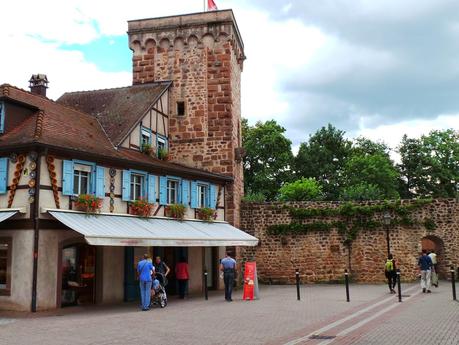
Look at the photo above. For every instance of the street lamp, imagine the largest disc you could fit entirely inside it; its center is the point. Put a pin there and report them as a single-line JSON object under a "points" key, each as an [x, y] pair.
{"points": [[386, 220]]}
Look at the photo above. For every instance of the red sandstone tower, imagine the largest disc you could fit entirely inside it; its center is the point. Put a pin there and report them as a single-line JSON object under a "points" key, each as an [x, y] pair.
{"points": [[203, 55]]}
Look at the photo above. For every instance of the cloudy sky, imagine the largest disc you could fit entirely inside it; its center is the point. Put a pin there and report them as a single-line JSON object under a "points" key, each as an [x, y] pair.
{"points": [[378, 68]]}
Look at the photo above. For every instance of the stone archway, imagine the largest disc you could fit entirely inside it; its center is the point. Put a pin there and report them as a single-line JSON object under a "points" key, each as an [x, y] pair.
{"points": [[431, 242]]}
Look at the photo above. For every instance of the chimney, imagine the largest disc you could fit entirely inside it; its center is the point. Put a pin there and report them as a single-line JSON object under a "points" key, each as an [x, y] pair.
{"points": [[38, 84]]}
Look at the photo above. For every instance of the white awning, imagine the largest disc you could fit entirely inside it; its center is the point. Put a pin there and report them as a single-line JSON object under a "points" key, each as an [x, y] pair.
{"points": [[4, 215], [117, 230]]}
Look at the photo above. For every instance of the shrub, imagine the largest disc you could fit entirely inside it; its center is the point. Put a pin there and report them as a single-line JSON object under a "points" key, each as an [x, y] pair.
{"points": [[301, 190], [361, 191], [254, 197]]}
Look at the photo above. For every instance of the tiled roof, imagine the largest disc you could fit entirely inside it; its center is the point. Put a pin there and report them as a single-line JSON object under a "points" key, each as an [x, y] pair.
{"points": [[118, 109], [56, 125]]}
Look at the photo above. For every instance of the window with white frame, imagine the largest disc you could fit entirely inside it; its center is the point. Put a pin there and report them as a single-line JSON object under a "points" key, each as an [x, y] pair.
{"points": [[162, 144], [137, 186], [172, 191], [145, 138], [82, 179], [203, 194]]}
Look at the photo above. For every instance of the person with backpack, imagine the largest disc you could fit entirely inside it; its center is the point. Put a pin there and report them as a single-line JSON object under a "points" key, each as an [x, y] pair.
{"points": [[390, 272]]}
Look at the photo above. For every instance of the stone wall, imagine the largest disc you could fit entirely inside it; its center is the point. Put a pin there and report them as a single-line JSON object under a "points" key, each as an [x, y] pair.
{"points": [[203, 55], [323, 256]]}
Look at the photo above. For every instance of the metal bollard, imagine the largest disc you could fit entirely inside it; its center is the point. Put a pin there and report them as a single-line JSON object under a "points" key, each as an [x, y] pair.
{"points": [[206, 290], [399, 285], [297, 277], [453, 283], [346, 280]]}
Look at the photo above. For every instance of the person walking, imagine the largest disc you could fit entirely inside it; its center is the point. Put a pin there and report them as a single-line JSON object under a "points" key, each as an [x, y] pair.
{"points": [[144, 270], [182, 275], [433, 257], [390, 273], [425, 265], [228, 267]]}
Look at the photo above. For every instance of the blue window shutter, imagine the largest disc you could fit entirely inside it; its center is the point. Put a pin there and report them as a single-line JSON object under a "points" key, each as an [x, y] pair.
{"points": [[67, 177], [3, 175], [151, 189], [163, 190], [194, 194], [185, 192], [213, 196], [100, 182], [126, 192]]}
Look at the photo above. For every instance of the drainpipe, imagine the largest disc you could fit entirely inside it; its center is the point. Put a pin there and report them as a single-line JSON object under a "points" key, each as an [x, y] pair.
{"points": [[35, 210]]}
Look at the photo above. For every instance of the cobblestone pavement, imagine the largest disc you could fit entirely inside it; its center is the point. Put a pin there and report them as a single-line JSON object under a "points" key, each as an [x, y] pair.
{"points": [[277, 318]]}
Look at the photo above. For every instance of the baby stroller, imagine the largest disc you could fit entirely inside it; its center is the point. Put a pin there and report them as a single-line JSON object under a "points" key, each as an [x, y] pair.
{"points": [[160, 297]]}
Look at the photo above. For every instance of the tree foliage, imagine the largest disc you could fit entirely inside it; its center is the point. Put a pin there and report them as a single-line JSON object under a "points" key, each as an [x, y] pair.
{"points": [[304, 189], [268, 158], [430, 164], [361, 191], [323, 157]]}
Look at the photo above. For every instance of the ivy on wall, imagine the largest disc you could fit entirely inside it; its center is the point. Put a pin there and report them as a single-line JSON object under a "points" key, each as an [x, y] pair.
{"points": [[353, 218]]}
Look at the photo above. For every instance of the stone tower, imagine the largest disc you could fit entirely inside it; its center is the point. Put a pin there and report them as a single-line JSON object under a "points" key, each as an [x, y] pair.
{"points": [[203, 55]]}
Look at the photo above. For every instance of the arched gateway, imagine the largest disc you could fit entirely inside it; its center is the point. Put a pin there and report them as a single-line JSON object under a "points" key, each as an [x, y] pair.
{"points": [[435, 243]]}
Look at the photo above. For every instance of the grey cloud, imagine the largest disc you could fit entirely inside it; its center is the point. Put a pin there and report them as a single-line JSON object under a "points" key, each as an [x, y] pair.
{"points": [[401, 62]]}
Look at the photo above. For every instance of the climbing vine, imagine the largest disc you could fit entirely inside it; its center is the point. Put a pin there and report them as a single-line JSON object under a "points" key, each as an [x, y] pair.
{"points": [[353, 218]]}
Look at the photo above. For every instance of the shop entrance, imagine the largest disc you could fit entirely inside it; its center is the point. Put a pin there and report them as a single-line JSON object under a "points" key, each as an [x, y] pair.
{"points": [[171, 256], [78, 275]]}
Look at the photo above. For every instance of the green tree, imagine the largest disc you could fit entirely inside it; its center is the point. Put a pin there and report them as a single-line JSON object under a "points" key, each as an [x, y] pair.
{"points": [[430, 164], [323, 158], [373, 169], [301, 190], [361, 191], [268, 158]]}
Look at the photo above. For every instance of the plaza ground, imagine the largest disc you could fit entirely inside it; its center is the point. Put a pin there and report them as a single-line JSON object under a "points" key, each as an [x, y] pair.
{"points": [[321, 317]]}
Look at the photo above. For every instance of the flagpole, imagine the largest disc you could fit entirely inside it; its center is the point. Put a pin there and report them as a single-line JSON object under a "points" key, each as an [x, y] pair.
{"points": [[204, 3]]}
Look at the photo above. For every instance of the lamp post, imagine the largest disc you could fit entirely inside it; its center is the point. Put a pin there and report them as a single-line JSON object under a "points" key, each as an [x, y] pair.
{"points": [[386, 219]]}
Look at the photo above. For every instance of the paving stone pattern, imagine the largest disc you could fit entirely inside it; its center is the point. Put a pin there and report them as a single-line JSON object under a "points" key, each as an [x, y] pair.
{"points": [[275, 319]]}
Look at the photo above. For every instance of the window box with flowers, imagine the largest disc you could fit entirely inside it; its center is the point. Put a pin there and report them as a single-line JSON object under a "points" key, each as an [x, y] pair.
{"points": [[88, 203], [206, 213], [176, 211], [141, 207]]}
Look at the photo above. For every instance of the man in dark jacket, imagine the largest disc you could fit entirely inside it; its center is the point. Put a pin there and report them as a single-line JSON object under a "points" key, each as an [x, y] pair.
{"points": [[425, 266]]}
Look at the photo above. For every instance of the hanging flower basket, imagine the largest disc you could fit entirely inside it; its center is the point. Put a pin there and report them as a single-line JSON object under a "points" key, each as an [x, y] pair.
{"points": [[207, 214], [141, 208], [176, 211], [88, 203]]}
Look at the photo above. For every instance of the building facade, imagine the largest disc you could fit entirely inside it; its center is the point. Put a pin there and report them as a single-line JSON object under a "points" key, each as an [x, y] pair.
{"points": [[92, 181]]}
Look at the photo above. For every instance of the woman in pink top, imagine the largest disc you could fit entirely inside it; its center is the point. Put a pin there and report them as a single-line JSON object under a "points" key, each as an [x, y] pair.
{"points": [[181, 273]]}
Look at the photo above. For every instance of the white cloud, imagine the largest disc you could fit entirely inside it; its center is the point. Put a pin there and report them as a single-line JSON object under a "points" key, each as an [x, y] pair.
{"points": [[392, 134], [66, 70]]}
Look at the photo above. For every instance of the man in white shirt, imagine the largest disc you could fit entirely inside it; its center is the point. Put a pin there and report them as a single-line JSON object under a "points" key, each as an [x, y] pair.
{"points": [[433, 257]]}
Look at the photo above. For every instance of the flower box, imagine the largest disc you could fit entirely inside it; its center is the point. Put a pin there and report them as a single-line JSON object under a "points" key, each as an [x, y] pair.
{"points": [[88, 203], [141, 208], [176, 211], [207, 214]]}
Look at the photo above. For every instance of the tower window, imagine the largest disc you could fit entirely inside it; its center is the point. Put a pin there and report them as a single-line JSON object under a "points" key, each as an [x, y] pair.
{"points": [[180, 108]]}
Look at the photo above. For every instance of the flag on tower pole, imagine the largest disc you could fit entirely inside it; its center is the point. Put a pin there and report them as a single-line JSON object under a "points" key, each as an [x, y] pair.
{"points": [[211, 6]]}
